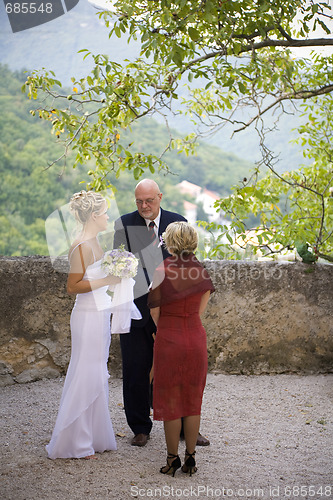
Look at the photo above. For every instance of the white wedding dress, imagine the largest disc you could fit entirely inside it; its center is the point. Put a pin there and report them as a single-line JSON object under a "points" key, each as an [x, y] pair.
{"points": [[83, 424]]}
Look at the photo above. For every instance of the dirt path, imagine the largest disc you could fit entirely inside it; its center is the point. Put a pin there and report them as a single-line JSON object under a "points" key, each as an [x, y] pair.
{"points": [[271, 437]]}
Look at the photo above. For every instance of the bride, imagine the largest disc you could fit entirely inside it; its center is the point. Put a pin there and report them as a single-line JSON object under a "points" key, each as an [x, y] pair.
{"points": [[83, 424]]}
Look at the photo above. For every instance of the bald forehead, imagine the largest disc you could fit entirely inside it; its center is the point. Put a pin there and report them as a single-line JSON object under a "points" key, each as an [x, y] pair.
{"points": [[146, 187]]}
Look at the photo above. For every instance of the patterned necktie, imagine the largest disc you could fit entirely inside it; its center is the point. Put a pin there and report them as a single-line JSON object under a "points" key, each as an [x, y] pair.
{"points": [[151, 230]]}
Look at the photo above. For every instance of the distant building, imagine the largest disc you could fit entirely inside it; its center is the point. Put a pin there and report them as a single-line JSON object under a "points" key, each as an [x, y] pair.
{"points": [[186, 187], [200, 195], [190, 212]]}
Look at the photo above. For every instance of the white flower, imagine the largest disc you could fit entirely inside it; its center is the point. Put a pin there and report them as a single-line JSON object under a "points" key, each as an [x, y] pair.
{"points": [[121, 263]]}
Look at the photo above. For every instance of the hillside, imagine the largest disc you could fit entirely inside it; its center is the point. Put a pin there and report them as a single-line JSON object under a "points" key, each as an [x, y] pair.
{"points": [[31, 192], [55, 46]]}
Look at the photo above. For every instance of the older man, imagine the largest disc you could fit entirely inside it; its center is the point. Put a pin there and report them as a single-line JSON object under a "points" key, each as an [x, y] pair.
{"points": [[139, 232]]}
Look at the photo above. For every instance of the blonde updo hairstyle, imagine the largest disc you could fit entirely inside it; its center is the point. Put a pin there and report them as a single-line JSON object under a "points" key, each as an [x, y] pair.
{"points": [[180, 238], [84, 203]]}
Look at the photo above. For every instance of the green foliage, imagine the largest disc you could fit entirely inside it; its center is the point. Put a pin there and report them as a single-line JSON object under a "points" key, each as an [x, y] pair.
{"points": [[112, 97], [234, 46], [232, 56], [229, 52], [295, 208], [235, 54], [31, 190], [19, 238]]}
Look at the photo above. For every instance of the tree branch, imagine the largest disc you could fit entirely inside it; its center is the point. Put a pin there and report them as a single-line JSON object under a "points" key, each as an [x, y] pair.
{"points": [[299, 94]]}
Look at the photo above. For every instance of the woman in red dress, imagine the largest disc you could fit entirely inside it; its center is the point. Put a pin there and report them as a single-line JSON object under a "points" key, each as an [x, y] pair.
{"points": [[179, 295]]}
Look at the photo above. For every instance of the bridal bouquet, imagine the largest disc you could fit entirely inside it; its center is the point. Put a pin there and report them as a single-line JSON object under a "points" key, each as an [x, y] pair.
{"points": [[121, 263]]}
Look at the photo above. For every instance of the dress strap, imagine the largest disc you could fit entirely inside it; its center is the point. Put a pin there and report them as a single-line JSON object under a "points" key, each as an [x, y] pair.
{"points": [[81, 243]]}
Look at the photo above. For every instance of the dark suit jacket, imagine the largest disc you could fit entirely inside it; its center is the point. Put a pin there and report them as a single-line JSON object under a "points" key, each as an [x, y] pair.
{"points": [[131, 231]]}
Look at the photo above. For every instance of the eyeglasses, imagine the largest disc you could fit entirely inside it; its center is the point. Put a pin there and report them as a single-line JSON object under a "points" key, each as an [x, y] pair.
{"points": [[148, 201]]}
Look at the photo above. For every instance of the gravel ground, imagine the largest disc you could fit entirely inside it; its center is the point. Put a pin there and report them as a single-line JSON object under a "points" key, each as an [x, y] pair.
{"points": [[271, 437]]}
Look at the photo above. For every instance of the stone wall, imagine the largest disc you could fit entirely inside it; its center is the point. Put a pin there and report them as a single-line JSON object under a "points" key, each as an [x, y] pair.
{"points": [[263, 318]]}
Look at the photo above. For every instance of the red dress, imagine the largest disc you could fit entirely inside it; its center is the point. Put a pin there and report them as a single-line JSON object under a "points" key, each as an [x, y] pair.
{"points": [[180, 350]]}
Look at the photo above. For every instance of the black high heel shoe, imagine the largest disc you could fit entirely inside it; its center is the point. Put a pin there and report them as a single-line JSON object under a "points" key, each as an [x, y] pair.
{"points": [[170, 469], [189, 464]]}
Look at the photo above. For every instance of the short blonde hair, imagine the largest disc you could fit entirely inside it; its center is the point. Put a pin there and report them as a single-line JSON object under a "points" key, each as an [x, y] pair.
{"points": [[180, 238], [84, 203]]}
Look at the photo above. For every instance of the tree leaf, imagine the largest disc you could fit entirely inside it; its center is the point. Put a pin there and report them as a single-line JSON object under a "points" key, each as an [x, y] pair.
{"points": [[193, 33]]}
